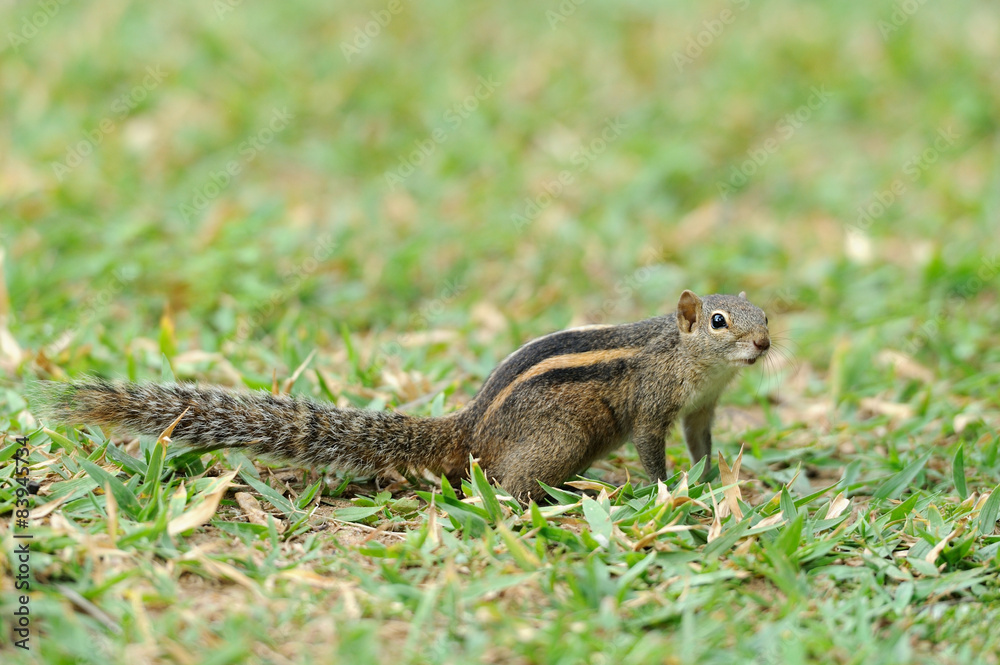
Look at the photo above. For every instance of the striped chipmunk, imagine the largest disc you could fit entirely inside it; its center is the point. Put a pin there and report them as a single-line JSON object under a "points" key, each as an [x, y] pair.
{"points": [[545, 413]]}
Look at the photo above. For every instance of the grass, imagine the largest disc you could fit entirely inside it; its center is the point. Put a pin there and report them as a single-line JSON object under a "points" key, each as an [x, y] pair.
{"points": [[233, 194]]}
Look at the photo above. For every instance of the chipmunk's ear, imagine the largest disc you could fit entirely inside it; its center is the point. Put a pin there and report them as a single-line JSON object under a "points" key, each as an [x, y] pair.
{"points": [[688, 310], [743, 294]]}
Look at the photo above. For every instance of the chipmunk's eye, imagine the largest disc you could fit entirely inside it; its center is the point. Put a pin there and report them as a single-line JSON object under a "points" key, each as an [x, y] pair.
{"points": [[719, 321], [765, 320]]}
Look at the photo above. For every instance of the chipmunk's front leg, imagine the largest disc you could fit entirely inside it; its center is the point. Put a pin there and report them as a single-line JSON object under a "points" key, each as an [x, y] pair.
{"points": [[698, 434], [650, 441]]}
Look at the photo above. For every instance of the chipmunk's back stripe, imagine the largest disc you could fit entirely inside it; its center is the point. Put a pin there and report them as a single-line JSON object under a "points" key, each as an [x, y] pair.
{"points": [[555, 363], [563, 343]]}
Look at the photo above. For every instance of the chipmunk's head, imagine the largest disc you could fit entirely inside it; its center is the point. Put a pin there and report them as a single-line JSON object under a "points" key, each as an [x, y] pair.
{"points": [[730, 327]]}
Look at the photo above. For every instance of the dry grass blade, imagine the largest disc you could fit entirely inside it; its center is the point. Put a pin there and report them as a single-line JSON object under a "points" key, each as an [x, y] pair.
{"points": [[164, 437], [290, 381], [731, 476], [203, 510], [715, 530], [682, 486], [935, 552], [86, 606], [587, 485], [111, 505], [45, 509], [777, 518], [225, 570], [433, 528], [673, 527]]}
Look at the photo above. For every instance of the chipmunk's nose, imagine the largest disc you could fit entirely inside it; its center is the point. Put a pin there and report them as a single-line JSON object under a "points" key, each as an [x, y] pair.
{"points": [[762, 344]]}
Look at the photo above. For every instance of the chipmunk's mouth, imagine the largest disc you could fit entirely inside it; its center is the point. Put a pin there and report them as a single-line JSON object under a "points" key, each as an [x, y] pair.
{"points": [[751, 361]]}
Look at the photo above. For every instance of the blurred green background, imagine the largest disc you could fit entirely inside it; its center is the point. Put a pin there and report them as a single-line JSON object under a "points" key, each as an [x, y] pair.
{"points": [[747, 139]]}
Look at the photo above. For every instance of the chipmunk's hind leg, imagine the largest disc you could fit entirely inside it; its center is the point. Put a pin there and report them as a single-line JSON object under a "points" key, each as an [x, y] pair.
{"points": [[536, 457]]}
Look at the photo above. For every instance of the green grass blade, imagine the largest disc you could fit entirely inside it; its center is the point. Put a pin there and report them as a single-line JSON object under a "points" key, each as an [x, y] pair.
{"points": [[958, 472], [989, 513], [485, 491], [127, 500], [898, 483]]}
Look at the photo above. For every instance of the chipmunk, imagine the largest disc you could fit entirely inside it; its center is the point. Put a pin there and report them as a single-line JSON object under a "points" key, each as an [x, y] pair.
{"points": [[545, 413]]}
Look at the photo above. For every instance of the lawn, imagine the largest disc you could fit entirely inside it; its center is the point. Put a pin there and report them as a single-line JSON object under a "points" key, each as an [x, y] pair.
{"points": [[374, 203]]}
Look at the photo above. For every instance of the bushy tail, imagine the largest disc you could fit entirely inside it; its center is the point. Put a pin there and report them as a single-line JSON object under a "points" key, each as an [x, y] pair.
{"points": [[279, 426]]}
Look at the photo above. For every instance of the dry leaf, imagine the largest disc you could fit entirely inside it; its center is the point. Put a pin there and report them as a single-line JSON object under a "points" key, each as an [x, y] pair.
{"points": [[254, 513], [884, 408], [905, 366], [10, 351], [662, 493], [837, 506], [963, 420], [969, 503], [744, 547], [311, 578]]}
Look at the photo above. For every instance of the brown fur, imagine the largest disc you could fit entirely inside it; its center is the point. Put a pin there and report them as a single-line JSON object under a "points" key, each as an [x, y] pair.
{"points": [[545, 413]]}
